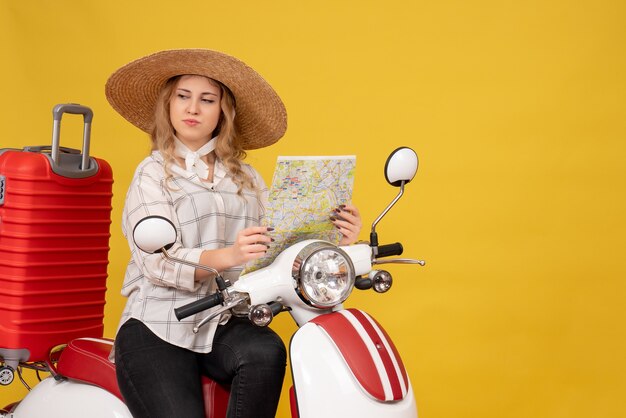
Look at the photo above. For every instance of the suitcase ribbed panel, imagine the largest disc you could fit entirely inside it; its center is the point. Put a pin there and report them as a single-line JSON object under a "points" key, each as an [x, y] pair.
{"points": [[54, 245]]}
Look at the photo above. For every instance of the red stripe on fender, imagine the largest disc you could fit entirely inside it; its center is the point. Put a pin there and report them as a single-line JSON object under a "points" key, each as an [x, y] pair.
{"points": [[354, 352], [382, 350], [395, 352]]}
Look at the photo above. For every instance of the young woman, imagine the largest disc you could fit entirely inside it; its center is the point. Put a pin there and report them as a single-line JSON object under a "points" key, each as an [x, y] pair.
{"points": [[203, 109]]}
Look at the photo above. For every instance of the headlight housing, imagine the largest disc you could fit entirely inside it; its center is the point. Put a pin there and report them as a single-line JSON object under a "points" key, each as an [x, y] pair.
{"points": [[324, 275]]}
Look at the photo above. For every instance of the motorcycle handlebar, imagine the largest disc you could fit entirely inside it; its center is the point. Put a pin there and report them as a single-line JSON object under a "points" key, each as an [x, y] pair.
{"points": [[276, 307], [208, 302], [389, 250]]}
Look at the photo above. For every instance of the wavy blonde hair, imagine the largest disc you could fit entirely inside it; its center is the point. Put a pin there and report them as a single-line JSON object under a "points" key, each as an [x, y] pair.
{"points": [[228, 147]]}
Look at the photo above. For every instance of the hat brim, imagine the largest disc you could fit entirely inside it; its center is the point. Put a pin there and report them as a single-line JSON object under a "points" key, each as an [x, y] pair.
{"points": [[261, 118]]}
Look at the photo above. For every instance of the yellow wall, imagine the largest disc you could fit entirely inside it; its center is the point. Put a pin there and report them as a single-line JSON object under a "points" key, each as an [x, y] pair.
{"points": [[517, 112]]}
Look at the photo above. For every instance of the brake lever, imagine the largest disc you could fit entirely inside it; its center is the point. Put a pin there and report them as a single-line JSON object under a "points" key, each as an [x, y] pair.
{"points": [[399, 261], [228, 304]]}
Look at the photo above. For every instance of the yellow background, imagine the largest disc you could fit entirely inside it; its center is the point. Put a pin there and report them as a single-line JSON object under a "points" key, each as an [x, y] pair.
{"points": [[517, 112]]}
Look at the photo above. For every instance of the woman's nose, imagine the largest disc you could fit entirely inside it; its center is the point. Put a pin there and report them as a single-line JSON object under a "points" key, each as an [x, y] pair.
{"points": [[192, 108]]}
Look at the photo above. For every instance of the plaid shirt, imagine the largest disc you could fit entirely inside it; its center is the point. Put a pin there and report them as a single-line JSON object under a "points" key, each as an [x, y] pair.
{"points": [[207, 216]]}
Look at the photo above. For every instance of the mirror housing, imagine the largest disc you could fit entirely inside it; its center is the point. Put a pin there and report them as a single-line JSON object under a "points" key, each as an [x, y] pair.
{"points": [[401, 166], [153, 234]]}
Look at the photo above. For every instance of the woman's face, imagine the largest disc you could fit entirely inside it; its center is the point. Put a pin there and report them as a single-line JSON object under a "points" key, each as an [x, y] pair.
{"points": [[195, 110]]}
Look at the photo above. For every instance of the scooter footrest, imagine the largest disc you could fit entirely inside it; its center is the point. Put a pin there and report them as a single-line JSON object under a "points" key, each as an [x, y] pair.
{"points": [[87, 360]]}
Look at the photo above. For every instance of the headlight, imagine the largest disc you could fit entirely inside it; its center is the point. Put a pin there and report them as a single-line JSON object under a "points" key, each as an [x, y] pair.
{"points": [[324, 275]]}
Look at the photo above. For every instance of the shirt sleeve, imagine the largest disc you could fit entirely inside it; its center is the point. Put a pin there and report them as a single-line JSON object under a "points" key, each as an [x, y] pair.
{"points": [[148, 196]]}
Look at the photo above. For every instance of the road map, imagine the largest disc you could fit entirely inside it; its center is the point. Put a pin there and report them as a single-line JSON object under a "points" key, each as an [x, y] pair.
{"points": [[302, 197]]}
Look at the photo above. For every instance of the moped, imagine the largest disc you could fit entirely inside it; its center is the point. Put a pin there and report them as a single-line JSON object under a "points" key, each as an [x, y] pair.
{"points": [[343, 363]]}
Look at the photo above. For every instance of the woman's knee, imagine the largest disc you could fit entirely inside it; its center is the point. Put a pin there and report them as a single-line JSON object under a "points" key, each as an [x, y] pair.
{"points": [[266, 348], [258, 345], [274, 347]]}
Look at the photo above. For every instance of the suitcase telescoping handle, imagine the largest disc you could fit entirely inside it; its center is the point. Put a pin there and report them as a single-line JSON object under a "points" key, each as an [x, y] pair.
{"points": [[57, 114]]}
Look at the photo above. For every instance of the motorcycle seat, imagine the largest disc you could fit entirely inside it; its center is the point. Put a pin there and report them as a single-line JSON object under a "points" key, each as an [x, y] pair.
{"points": [[87, 360]]}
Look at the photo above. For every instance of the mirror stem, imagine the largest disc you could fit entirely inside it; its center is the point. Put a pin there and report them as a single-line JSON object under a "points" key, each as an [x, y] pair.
{"points": [[189, 263], [388, 207], [373, 234]]}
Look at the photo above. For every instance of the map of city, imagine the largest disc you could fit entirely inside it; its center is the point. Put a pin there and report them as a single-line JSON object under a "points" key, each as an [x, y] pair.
{"points": [[302, 197]]}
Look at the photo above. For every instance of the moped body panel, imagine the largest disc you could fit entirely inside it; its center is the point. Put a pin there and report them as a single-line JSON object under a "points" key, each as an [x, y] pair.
{"points": [[347, 371], [70, 399]]}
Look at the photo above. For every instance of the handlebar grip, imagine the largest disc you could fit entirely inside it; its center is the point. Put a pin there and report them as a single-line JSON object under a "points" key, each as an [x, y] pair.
{"points": [[388, 250], [203, 304], [276, 307], [363, 283]]}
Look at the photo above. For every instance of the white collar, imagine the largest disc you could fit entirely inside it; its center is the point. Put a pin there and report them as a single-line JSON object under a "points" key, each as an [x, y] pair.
{"points": [[193, 159]]}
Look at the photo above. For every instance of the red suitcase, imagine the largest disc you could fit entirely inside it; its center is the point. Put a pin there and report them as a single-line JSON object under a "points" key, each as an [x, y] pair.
{"points": [[55, 216]]}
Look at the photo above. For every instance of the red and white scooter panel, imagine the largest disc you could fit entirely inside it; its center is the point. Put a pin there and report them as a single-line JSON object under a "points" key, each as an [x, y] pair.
{"points": [[368, 351], [351, 368]]}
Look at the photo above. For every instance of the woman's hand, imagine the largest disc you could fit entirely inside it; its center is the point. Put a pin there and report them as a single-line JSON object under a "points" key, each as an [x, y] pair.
{"points": [[251, 243], [348, 220]]}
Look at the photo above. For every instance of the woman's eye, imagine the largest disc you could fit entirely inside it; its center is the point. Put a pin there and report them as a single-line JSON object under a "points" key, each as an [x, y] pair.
{"points": [[208, 101], [182, 96]]}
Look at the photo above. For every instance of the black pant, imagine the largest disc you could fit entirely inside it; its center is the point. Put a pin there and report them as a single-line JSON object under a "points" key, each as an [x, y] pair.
{"points": [[158, 379]]}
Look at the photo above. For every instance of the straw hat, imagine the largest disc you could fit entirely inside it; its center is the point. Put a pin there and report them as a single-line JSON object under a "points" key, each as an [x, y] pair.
{"points": [[261, 118]]}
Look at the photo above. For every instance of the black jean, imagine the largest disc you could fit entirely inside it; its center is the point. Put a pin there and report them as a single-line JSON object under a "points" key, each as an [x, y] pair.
{"points": [[158, 379]]}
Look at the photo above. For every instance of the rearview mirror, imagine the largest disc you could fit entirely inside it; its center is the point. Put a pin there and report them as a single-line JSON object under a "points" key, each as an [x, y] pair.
{"points": [[401, 166], [154, 233]]}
